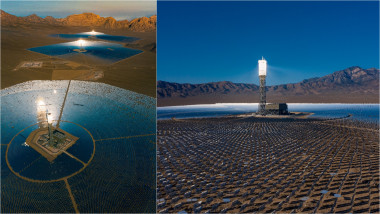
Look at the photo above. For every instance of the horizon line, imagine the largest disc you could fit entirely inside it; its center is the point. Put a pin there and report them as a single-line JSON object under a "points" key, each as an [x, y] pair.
{"points": [[76, 14]]}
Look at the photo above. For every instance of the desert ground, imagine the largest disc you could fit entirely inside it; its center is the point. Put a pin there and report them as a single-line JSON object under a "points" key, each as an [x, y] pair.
{"points": [[265, 165], [137, 73]]}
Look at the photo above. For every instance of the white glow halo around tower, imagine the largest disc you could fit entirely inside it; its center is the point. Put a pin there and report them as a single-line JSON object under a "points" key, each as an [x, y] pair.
{"points": [[81, 43], [93, 33]]}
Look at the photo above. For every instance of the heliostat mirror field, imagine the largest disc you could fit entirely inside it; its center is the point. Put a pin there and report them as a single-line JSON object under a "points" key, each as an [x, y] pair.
{"points": [[88, 52], [97, 35], [111, 167]]}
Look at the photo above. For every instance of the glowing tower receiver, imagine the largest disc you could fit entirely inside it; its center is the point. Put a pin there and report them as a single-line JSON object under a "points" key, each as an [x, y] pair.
{"points": [[262, 76], [262, 67], [81, 43]]}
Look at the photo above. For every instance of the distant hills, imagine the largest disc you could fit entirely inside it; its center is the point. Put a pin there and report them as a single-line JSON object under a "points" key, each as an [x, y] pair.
{"points": [[142, 24], [351, 85]]}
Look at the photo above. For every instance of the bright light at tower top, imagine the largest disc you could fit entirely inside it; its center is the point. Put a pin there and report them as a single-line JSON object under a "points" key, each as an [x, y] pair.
{"points": [[262, 67], [40, 102], [81, 42]]}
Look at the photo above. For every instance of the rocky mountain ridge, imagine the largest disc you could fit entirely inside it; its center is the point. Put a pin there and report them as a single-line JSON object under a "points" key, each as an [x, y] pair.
{"points": [[142, 24], [361, 84]]}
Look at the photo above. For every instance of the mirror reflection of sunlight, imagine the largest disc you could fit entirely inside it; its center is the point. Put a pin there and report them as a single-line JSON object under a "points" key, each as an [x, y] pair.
{"points": [[41, 112], [45, 113]]}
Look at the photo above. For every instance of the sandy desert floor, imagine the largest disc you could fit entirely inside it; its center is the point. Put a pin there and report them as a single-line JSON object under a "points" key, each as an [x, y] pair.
{"points": [[267, 165], [137, 73]]}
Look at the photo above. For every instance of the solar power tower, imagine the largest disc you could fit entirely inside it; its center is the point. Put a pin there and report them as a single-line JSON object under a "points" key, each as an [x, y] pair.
{"points": [[262, 75]]}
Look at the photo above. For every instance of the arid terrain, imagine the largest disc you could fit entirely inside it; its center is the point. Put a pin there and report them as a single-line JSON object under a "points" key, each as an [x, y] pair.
{"points": [[351, 85], [137, 73], [267, 165]]}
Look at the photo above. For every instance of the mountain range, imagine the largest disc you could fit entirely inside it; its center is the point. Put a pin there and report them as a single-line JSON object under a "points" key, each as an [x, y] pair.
{"points": [[351, 85], [141, 24]]}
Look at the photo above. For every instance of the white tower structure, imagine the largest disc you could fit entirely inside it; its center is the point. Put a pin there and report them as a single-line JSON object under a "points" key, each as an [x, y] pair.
{"points": [[262, 76]]}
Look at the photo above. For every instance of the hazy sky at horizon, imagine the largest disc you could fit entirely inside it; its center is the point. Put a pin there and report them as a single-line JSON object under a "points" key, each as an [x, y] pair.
{"points": [[200, 42], [120, 10]]}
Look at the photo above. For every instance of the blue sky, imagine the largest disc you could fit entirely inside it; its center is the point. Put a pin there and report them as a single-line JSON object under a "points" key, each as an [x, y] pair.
{"points": [[120, 10], [202, 42]]}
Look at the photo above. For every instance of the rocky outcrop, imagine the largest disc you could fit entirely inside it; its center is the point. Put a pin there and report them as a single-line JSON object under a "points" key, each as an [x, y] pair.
{"points": [[51, 20], [85, 19], [142, 24], [10, 20], [89, 19], [34, 19]]}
